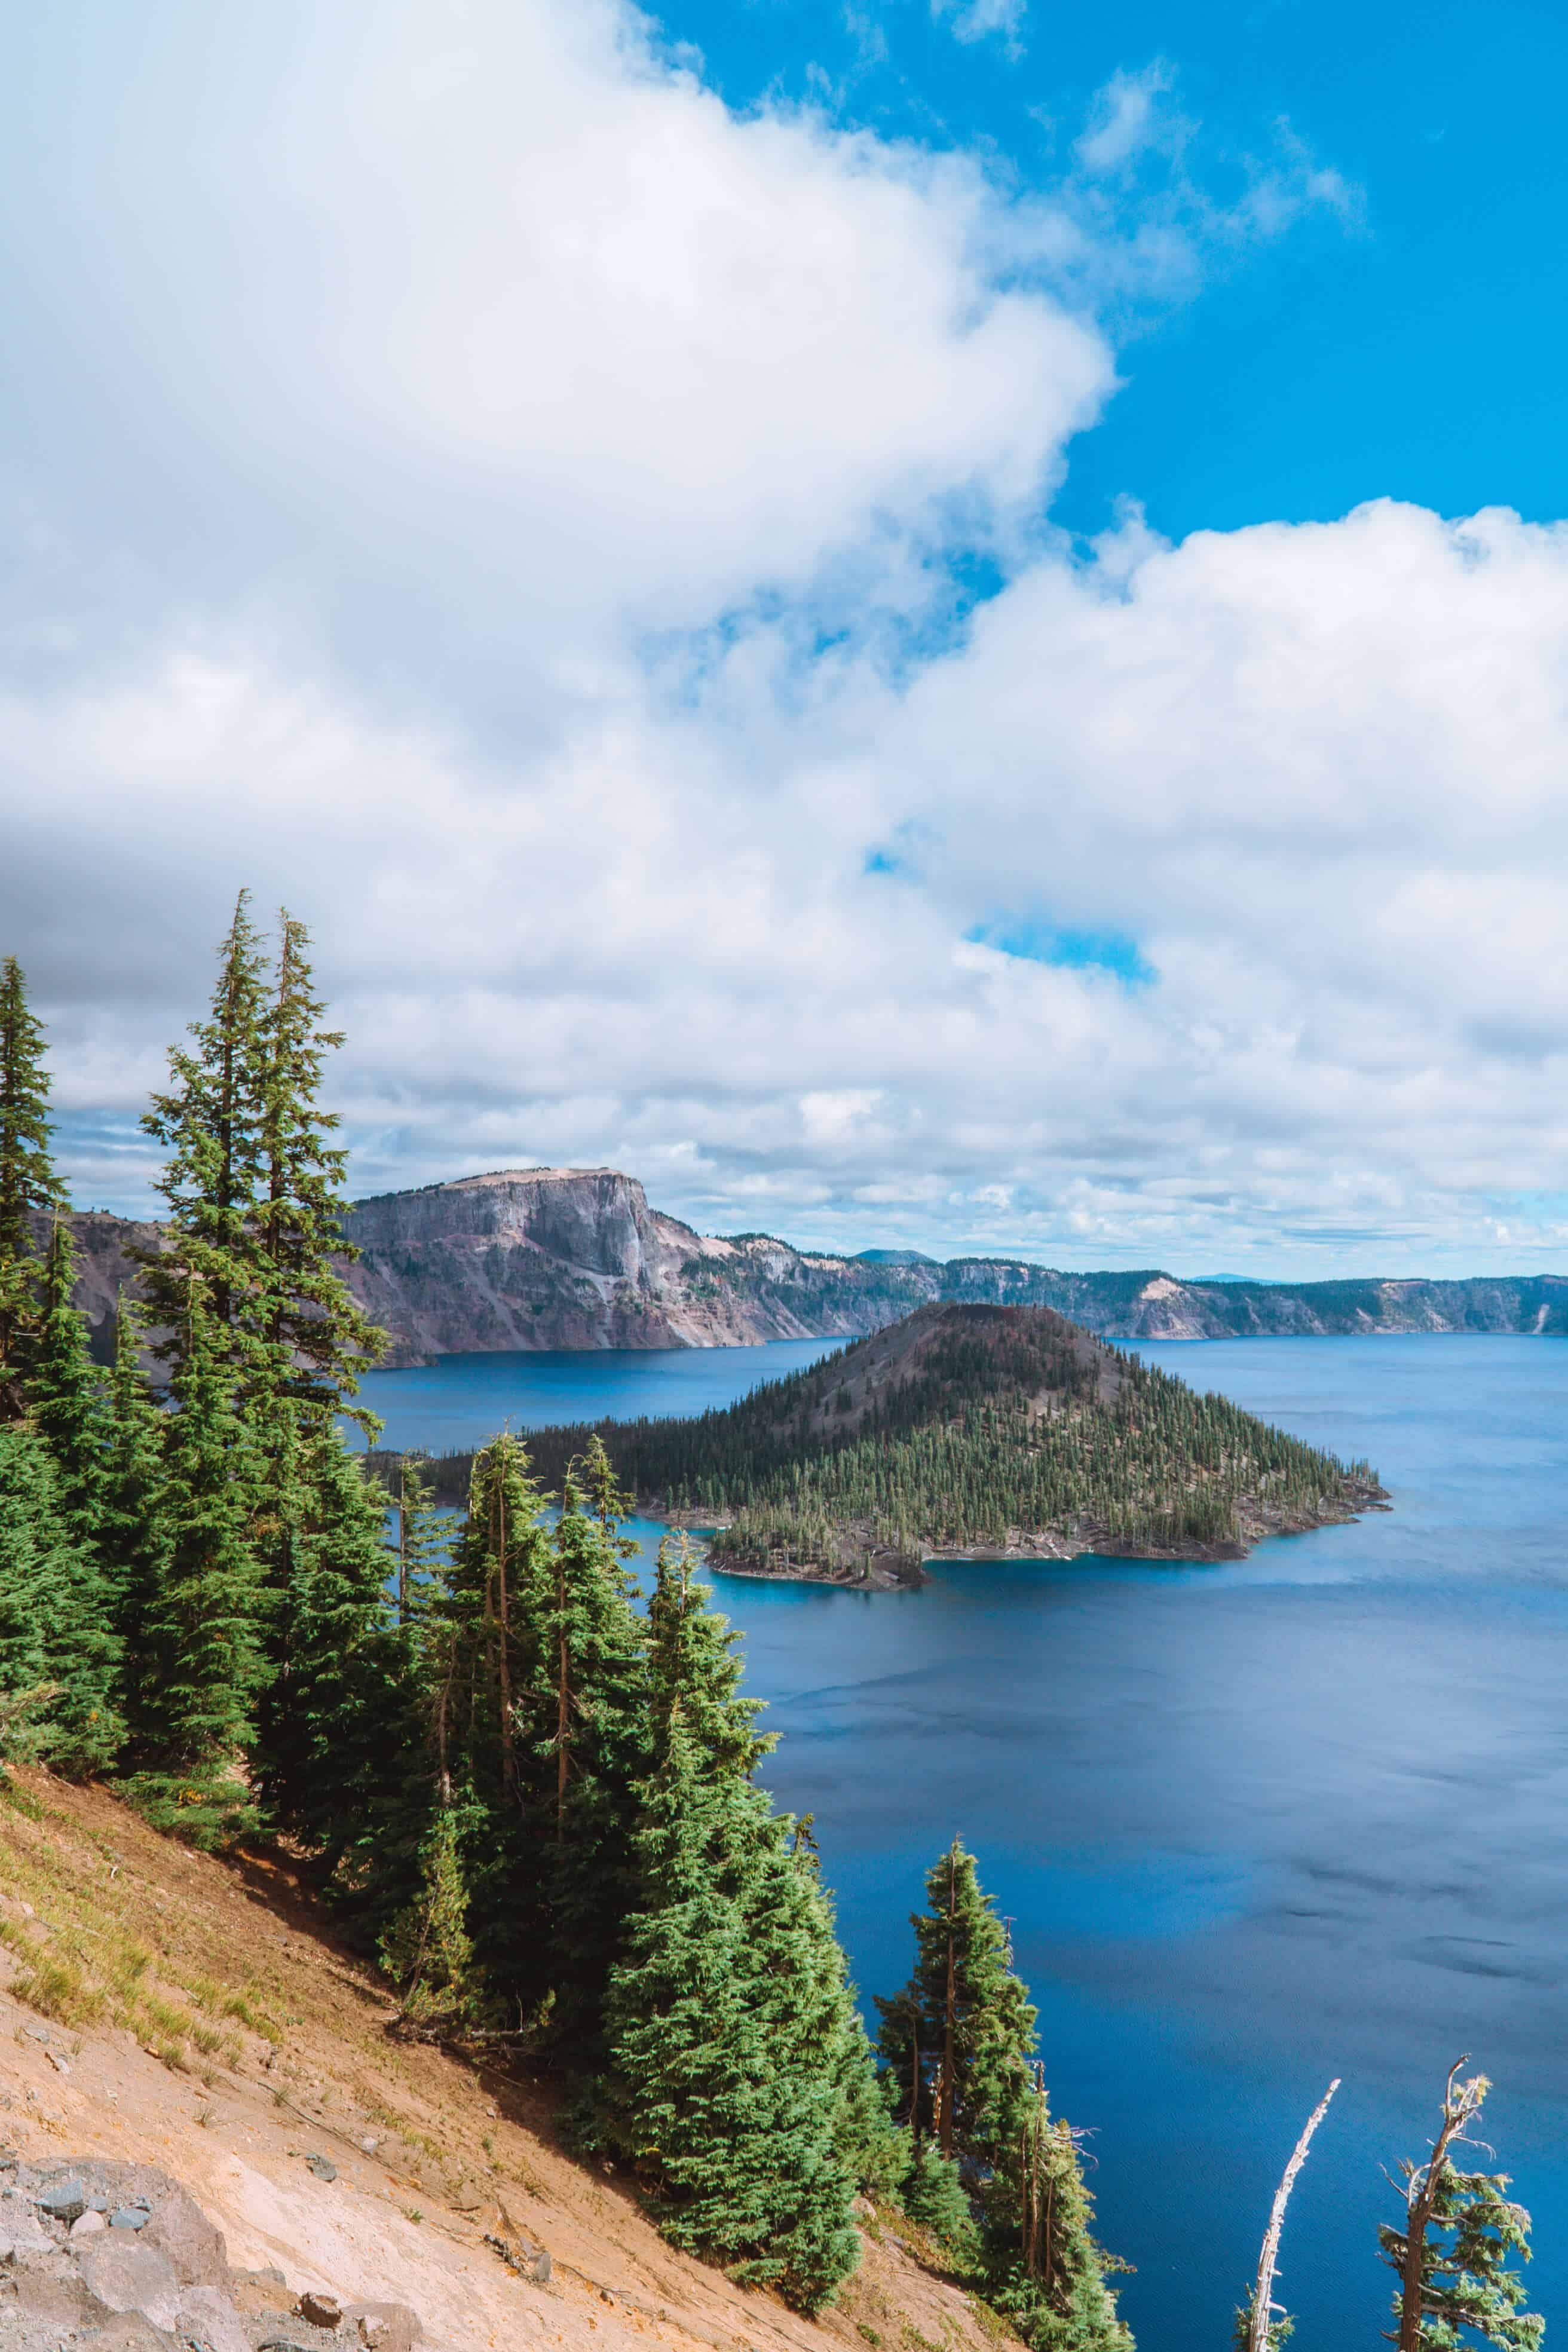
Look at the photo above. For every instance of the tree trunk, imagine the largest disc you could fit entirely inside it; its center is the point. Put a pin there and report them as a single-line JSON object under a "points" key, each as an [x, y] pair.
{"points": [[1263, 2293], [1417, 2220], [562, 1708], [507, 1737]]}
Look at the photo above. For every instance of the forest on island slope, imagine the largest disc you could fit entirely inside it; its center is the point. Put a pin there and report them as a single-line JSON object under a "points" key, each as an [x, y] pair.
{"points": [[964, 1428]]}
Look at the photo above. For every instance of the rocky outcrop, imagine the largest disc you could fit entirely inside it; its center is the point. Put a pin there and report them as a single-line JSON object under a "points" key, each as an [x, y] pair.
{"points": [[574, 1258], [119, 2258], [553, 1258]]}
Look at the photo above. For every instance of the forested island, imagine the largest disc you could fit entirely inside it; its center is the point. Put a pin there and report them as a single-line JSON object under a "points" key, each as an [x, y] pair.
{"points": [[991, 1431]]}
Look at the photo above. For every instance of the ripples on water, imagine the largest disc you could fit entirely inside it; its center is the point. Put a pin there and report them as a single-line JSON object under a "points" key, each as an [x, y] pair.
{"points": [[1256, 1824]]}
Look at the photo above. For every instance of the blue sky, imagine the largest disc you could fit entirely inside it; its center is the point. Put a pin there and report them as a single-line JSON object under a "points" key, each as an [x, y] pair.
{"points": [[926, 622], [1421, 359]]}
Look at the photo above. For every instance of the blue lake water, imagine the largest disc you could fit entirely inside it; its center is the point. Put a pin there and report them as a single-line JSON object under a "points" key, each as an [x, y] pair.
{"points": [[462, 1400], [1256, 1824]]}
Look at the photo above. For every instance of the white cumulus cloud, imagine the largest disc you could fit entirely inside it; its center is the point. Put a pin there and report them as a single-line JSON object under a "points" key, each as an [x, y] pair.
{"points": [[462, 479]]}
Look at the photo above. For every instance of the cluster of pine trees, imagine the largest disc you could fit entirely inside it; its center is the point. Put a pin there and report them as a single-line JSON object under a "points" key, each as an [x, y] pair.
{"points": [[533, 1797]]}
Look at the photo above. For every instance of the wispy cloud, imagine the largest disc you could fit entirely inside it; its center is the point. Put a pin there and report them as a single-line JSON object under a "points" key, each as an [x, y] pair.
{"points": [[981, 20]]}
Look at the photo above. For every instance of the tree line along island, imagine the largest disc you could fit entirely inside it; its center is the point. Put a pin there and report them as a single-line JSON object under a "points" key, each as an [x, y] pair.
{"points": [[984, 1431], [524, 1783]]}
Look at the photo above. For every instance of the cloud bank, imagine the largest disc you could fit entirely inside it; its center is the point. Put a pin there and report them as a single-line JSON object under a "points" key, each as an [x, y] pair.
{"points": [[463, 481]]}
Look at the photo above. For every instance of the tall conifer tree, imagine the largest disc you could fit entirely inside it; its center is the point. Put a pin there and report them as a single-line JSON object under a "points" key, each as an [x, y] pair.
{"points": [[55, 1637], [422, 1545], [341, 1715], [65, 1395], [134, 1539], [27, 1180], [586, 1705], [725, 2019], [204, 1662], [487, 1642], [319, 1337], [957, 2037], [209, 1120], [960, 2044], [1451, 2258]]}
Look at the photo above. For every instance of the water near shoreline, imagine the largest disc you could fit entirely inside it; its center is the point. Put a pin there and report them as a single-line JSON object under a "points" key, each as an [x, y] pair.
{"points": [[1255, 1824], [460, 1402]]}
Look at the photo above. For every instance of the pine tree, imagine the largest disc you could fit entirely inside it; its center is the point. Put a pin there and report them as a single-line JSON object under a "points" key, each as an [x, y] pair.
{"points": [[421, 1550], [959, 2042], [134, 1542], [203, 1662], [956, 2039], [64, 1391], [425, 1947], [586, 1702], [726, 2019], [55, 1643], [32, 1543], [1451, 2258], [341, 1716], [319, 1338], [486, 1646], [1041, 2265], [932, 2193], [691, 2068], [210, 1121], [28, 1179], [692, 1663]]}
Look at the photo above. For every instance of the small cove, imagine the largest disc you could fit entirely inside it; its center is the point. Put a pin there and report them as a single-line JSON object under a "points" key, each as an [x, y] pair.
{"points": [[1255, 1824]]}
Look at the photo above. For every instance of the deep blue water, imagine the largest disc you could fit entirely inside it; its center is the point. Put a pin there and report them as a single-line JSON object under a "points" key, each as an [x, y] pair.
{"points": [[462, 1400], [1256, 1824]]}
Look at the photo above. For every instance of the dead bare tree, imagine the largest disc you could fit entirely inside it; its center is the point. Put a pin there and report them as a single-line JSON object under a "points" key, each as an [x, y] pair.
{"points": [[1259, 2318]]}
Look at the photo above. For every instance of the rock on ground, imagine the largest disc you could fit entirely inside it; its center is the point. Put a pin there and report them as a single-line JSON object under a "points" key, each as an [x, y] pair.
{"points": [[154, 2274]]}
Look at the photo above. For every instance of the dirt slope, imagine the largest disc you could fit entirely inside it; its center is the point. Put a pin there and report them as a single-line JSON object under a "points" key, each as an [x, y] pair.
{"points": [[165, 2008]]}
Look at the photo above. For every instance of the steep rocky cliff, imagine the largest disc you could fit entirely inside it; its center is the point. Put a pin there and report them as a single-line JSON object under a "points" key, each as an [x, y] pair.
{"points": [[574, 1257]]}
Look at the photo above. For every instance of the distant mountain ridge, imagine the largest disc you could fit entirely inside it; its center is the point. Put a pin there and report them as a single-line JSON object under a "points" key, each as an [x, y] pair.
{"points": [[575, 1258]]}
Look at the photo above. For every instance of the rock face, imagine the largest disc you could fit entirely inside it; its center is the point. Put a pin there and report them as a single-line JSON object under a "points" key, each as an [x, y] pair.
{"points": [[164, 2286], [574, 1258]]}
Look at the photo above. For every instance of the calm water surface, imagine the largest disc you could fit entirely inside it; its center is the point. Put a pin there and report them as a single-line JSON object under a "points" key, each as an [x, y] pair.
{"points": [[1256, 1824]]}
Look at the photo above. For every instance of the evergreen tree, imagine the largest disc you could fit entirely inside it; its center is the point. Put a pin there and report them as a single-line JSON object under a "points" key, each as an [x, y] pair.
{"points": [[586, 1702], [210, 1119], [341, 1716], [57, 1650], [32, 1547], [317, 1335], [425, 1947], [204, 1664], [486, 1641], [692, 1663], [959, 2042], [958, 2038], [726, 2018], [134, 1540], [421, 1547], [64, 1390], [28, 1179], [932, 2193], [1041, 2265], [1451, 2258]]}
